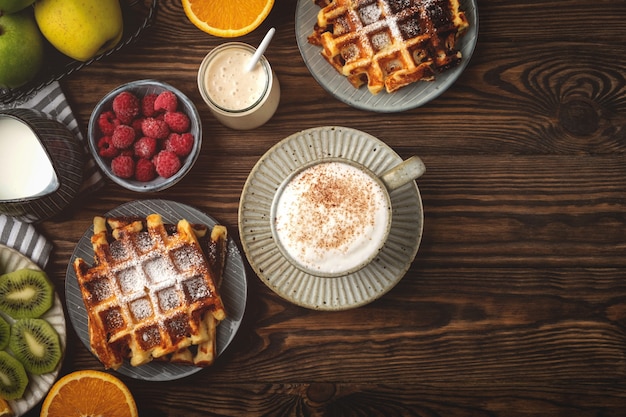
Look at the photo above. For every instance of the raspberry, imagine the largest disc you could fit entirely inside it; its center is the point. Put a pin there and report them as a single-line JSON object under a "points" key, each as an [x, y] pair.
{"points": [[123, 136], [106, 148], [126, 106], [166, 163], [178, 122], [145, 170], [107, 122], [147, 105], [136, 124], [145, 147], [166, 101], [181, 145], [123, 166], [155, 128]]}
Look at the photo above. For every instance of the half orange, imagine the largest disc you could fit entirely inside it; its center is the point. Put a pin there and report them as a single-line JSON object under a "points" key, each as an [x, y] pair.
{"points": [[227, 18], [5, 408], [89, 393]]}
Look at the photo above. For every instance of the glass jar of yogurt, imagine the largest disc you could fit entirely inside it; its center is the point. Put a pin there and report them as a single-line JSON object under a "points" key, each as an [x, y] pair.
{"points": [[238, 98]]}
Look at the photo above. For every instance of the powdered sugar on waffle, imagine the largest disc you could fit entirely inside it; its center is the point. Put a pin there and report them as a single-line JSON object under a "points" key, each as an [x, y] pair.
{"points": [[389, 43], [147, 292]]}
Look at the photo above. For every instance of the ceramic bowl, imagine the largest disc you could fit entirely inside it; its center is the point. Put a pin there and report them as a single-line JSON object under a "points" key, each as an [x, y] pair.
{"points": [[46, 168], [141, 88]]}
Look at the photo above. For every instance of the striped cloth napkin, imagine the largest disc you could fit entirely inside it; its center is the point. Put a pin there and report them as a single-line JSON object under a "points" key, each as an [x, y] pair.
{"points": [[22, 236]]}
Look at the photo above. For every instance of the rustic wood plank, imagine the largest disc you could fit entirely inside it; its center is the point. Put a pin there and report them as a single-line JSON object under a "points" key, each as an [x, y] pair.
{"points": [[516, 302]]}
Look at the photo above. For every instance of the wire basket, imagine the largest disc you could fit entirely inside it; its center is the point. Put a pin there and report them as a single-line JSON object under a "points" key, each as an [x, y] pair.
{"points": [[138, 16]]}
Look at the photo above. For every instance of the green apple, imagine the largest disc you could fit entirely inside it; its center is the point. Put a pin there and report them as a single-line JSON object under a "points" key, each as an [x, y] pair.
{"points": [[12, 6], [81, 29], [21, 49]]}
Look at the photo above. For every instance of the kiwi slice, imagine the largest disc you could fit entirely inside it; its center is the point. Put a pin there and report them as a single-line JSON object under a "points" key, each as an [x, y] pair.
{"points": [[35, 343], [25, 293], [5, 331], [13, 377]]}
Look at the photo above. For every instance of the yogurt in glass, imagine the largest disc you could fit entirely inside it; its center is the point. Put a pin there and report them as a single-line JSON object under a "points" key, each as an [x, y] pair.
{"points": [[238, 98]]}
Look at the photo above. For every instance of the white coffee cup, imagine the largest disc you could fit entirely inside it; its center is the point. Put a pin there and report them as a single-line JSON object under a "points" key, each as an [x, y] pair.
{"points": [[332, 217]]}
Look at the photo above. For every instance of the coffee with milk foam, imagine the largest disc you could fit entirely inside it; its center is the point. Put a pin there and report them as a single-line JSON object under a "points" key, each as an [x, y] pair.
{"points": [[332, 217]]}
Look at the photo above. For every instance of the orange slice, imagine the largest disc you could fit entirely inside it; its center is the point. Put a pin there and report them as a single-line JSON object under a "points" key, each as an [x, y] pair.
{"points": [[5, 408], [89, 393], [227, 18]]}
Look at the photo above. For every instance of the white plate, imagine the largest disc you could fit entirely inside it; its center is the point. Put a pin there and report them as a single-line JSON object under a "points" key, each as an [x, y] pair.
{"points": [[290, 282], [38, 385], [233, 290], [409, 97]]}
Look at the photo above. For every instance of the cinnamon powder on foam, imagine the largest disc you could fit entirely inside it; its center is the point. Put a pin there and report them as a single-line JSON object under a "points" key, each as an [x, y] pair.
{"points": [[334, 208]]}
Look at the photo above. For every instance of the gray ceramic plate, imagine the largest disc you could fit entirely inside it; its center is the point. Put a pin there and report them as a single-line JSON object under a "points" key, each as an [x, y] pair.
{"points": [[287, 280], [409, 97], [233, 290], [39, 385]]}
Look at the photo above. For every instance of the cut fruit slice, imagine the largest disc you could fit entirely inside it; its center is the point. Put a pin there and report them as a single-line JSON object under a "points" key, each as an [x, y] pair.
{"points": [[36, 344], [5, 332], [25, 293], [227, 19], [13, 377], [89, 393], [5, 409]]}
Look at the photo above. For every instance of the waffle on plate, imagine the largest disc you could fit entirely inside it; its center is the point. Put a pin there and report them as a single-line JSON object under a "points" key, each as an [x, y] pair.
{"points": [[153, 293], [388, 44]]}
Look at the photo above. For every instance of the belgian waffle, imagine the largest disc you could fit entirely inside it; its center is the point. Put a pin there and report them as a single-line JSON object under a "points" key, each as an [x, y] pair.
{"points": [[150, 293], [215, 248], [388, 44]]}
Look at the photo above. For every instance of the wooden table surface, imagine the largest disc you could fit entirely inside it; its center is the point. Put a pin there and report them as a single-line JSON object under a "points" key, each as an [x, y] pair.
{"points": [[515, 304]]}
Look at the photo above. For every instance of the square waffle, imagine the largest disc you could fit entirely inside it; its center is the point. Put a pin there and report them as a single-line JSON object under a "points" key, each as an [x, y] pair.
{"points": [[151, 292], [215, 248], [388, 44]]}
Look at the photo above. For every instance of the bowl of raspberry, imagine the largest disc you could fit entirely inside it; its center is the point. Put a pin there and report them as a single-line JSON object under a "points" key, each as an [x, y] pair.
{"points": [[145, 135]]}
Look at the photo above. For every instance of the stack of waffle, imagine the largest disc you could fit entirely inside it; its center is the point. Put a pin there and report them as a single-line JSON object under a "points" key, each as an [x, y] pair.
{"points": [[388, 44], [152, 293]]}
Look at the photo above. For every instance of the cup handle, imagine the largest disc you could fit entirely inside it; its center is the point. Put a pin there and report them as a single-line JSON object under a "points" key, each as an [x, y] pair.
{"points": [[403, 173]]}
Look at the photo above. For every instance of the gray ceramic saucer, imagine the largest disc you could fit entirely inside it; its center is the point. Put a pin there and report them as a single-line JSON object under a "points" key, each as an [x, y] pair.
{"points": [[288, 281]]}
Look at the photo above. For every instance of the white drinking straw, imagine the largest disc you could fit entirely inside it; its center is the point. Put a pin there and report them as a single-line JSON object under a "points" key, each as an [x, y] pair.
{"points": [[262, 47]]}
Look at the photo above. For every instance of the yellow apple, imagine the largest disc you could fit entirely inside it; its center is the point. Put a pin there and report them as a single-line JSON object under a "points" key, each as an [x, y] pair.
{"points": [[81, 29]]}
